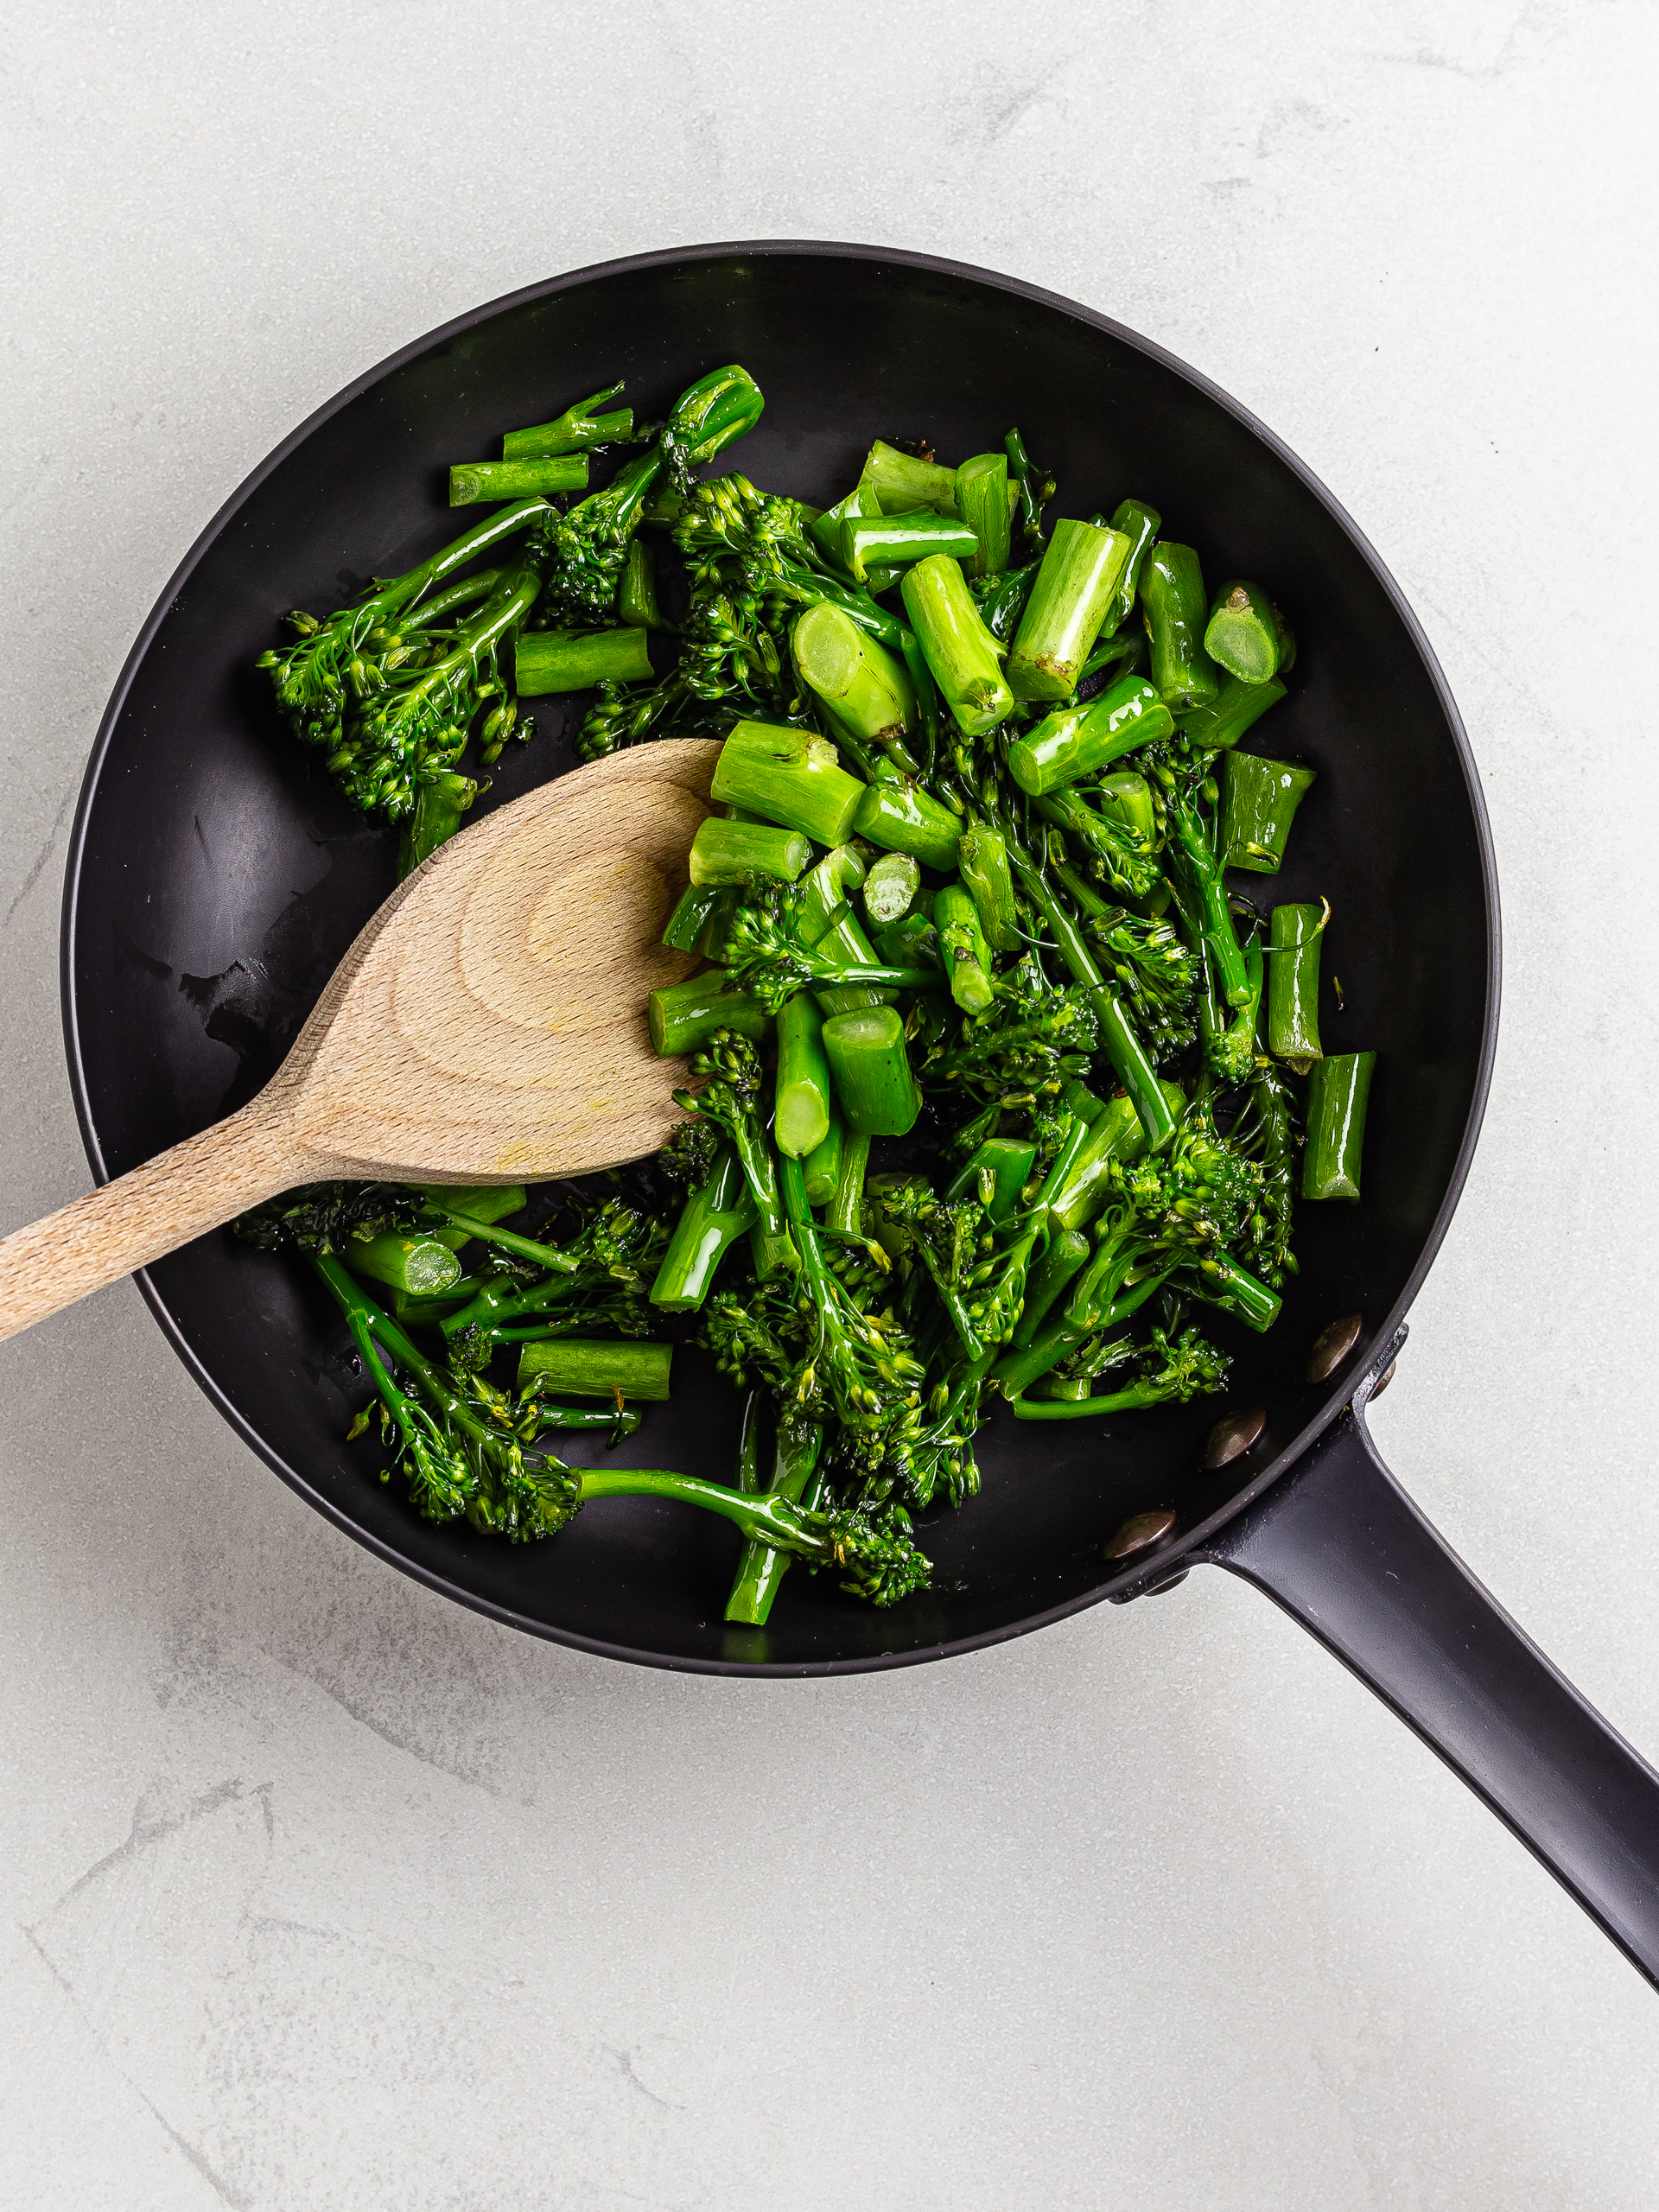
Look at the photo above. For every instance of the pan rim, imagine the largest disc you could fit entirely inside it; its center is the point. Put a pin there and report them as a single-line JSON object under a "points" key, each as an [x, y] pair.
{"points": [[1131, 1578]]}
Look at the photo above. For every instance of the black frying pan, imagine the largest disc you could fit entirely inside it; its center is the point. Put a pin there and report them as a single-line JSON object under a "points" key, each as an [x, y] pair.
{"points": [[214, 880]]}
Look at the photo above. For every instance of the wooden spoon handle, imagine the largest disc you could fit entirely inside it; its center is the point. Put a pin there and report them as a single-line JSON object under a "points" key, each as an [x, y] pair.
{"points": [[181, 1194]]}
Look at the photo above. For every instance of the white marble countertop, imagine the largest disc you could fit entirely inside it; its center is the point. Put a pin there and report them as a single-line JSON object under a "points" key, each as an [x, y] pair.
{"points": [[322, 1892]]}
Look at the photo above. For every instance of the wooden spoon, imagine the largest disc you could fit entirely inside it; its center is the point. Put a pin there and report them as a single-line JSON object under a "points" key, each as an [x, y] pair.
{"points": [[488, 1025]]}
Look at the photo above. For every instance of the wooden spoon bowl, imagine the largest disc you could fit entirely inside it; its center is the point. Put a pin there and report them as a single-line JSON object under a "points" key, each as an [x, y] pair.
{"points": [[487, 1026]]}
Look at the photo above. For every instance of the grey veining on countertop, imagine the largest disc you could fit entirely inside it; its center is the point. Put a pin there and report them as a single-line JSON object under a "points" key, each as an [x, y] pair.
{"points": [[320, 1892]]}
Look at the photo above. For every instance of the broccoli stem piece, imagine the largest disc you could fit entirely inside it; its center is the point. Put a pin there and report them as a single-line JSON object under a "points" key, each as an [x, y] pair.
{"points": [[846, 1214], [962, 948], [1174, 605], [871, 543], [417, 1264], [866, 1057], [1074, 583], [1199, 874], [1218, 1279], [439, 806], [890, 887], [1339, 1090], [1295, 934], [549, 661], [1246, 634], [522, 1248], [572, 1367], [1067, 1251], [1237, 708], [636, 592], [1115, 1135], [996, 1173], [684, 1016], [793, 777], [899, 816], [713, 1218], [983, 857], [471, 483], [761, 1569], [1140, 524], [1015, 1374], [730, 1074], [821, 1171], [1001, 601], [371, 1324], [1080, 740], [1122, 1047], [823, 890], [843, 949], [1259, 802], [800, 1116], [867, 691], [737, 852], [1034, 488], [580, 426], [959, 649], [692, 909], [983, 503], [902, 483]]}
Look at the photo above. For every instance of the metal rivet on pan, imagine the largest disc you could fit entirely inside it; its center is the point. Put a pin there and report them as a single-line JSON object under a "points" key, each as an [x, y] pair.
{"points": [[1170, 1582], [1333, 1345], [1384, 1380], [1232, 1434], [1140, 1532]]}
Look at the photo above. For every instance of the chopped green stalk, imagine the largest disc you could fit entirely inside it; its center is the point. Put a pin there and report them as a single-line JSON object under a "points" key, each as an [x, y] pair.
{"points": [[912, 942], [1001, 601], [867, 691], [983, 857], [729, 1072], [801, 1121], [636, 591], [793, 777], [1174, 604], [439, 807], [568, 1367], [870, 545], [737, 852], [877, 1091], [1079, 573], [548, 661], [1079, 740], [1339, 1089], [712, 414], [822, 1170], [1122, 1047], [489, 1202], [713, 1218], [996, 1175], [1219, 1280], [1200, 874], [1015, 1373], [577, 429], [983, 502], [1293, 984], [845, 943], [420, 1265], [1127, 795], [1116, 1135], [824, 889], [1247, 635], [689, 918], [1033, 486], [722, 914], [684, 1016], [966, 955], [846, 1215], [889, 888], [471, 483], [522, 1248], [763, 1565], [426, 1312], [1237, 709], [825, 529], [613, 1419], [959, 649], [1259, 802], [1140, 524], [897, 815], [902, 483], [1067, 1250]]}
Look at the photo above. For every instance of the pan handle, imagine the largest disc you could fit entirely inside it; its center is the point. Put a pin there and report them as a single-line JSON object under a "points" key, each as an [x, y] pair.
{"points": [[1338, 1544]]}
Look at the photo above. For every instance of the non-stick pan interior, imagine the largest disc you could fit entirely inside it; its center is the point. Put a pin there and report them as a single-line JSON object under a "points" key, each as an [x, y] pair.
{"points": [[215, 881]]}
